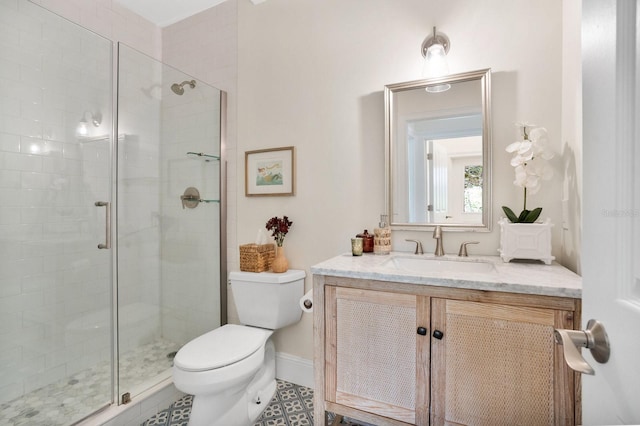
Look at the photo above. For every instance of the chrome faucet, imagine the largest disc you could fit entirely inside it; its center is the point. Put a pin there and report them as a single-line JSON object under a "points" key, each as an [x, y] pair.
{"points": [[437, 234], [418, 246], [463, 248]]}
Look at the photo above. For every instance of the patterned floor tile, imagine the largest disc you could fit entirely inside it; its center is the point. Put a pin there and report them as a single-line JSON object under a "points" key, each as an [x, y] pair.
{"points": [[291, 405]]}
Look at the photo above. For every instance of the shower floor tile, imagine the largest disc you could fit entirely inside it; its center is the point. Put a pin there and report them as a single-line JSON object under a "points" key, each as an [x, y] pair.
{"points": [[65, 401]]}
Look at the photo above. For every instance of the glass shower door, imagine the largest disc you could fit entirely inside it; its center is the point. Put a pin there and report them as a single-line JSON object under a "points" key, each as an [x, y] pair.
{"points": [[168, 254], [55, 284]]}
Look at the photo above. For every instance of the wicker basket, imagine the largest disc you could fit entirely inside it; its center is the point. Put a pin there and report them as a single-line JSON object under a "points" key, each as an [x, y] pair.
{"points": [[256, 258]]}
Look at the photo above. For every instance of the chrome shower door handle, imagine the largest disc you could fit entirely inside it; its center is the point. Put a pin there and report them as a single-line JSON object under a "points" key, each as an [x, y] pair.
{"points": [[593, 338], [107, 238]]}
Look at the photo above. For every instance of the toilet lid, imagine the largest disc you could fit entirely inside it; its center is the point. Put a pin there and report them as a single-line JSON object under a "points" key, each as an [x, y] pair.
{"points": [[222, 346]]}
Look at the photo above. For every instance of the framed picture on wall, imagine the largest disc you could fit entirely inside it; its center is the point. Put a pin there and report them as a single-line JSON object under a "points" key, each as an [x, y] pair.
{"points": [[269, 172]]}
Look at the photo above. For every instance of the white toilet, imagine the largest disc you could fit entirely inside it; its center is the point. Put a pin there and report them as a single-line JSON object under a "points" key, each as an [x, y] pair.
{"points": [[231, 370]]}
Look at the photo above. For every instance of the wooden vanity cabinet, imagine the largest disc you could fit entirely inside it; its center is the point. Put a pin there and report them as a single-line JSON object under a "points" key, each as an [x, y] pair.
{"points": [[498, 364], [398, 354], [373, 352]]}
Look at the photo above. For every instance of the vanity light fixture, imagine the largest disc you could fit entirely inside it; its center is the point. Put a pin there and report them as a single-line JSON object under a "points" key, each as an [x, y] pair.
{"points": [[83, 128], [434, 50]]}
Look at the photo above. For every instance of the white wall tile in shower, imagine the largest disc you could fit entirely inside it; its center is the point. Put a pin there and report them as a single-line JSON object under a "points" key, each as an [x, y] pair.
{"points": [[9, 215], [22, 162], [50, 274], [9, 142]]}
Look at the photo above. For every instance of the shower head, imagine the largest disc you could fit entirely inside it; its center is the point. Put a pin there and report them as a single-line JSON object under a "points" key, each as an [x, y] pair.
{"points": [[178, 89]]}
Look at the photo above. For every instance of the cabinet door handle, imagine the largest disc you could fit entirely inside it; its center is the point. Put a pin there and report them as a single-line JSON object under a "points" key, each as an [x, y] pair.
{"points": [[422, 331], [438, 334]]}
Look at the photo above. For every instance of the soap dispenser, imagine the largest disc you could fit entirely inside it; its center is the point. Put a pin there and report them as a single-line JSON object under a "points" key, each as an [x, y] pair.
{"points": [[382, 237]]}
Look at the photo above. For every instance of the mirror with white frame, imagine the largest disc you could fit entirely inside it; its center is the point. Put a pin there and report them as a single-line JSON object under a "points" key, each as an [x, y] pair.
{"points": [[438, 152]]}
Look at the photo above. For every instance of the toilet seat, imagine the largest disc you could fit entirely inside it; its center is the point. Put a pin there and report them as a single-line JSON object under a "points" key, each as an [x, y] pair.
{"points": [[223, 346]]}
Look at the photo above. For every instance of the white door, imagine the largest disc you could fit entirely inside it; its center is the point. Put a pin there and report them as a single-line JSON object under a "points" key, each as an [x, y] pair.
{"points": [[438, 178], [611, 207]]}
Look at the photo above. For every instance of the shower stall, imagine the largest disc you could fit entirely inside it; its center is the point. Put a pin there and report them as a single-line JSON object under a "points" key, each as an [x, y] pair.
{"points": [[111, 217]]}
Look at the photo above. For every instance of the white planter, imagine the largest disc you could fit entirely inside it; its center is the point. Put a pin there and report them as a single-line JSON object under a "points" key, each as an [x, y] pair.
{"points": [[525, 241]]}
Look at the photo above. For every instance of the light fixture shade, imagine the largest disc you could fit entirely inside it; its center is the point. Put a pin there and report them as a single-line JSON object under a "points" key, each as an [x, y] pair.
{"points": [[434, 49], [435, 62], [82, 129], [438, 88]]}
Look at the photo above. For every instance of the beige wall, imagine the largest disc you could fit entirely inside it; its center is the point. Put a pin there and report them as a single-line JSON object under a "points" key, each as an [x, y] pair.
{"points": [[571, 147], [311, 74]]}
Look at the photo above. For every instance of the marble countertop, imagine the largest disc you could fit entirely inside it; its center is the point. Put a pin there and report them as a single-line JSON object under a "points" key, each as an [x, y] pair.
{"points": [[514, 277]]}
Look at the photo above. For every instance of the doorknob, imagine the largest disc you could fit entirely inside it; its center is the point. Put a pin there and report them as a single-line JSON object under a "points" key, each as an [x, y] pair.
{"points": [[593, 338]]}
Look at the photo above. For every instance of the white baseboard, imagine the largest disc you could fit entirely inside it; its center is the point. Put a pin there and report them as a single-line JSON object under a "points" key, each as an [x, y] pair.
{"points": [[294, 369]]}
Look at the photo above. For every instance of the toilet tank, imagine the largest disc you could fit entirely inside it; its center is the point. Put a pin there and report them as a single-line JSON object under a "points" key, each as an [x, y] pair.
{"points": [[266, 299]]}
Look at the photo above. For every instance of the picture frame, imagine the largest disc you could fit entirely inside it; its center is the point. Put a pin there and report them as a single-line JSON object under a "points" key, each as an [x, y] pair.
{"points": [[269, 172]]}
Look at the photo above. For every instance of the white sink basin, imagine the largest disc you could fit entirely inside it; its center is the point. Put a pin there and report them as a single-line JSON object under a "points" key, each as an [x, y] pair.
{"points": [[430, 265]]}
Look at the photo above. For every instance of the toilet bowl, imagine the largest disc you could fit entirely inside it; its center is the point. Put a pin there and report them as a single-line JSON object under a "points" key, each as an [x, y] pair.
{"points": [[231, 370]]}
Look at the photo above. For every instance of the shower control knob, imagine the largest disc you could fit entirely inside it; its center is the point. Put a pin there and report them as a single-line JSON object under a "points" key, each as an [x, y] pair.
{"points": [[422, 331], [438, 334]]}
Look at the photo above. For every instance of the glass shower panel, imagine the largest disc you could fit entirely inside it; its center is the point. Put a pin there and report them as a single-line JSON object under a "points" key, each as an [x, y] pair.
{"points": [[168, 256], [55, 284]]}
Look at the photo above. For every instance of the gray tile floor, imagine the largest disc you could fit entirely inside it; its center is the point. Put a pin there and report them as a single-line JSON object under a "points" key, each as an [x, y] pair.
{"points": [[66, 401], [292, 405]]}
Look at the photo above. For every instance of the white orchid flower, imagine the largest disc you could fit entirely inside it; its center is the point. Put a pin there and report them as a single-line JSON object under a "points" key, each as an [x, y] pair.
{"points": [[540, 168], [519, 146], [523, 151], [539, 139], [522, 156], [523, 126], [538, 134], [519, 160], [529, 158], [526, 179], [513, 147]]}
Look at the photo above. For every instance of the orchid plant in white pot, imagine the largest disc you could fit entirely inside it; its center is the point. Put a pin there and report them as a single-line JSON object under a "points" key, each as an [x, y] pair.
{"points": [[530, 157]]}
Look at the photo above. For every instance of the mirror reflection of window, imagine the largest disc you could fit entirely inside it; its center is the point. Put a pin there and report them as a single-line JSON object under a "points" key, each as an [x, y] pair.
{"points": [[472, 189]]}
